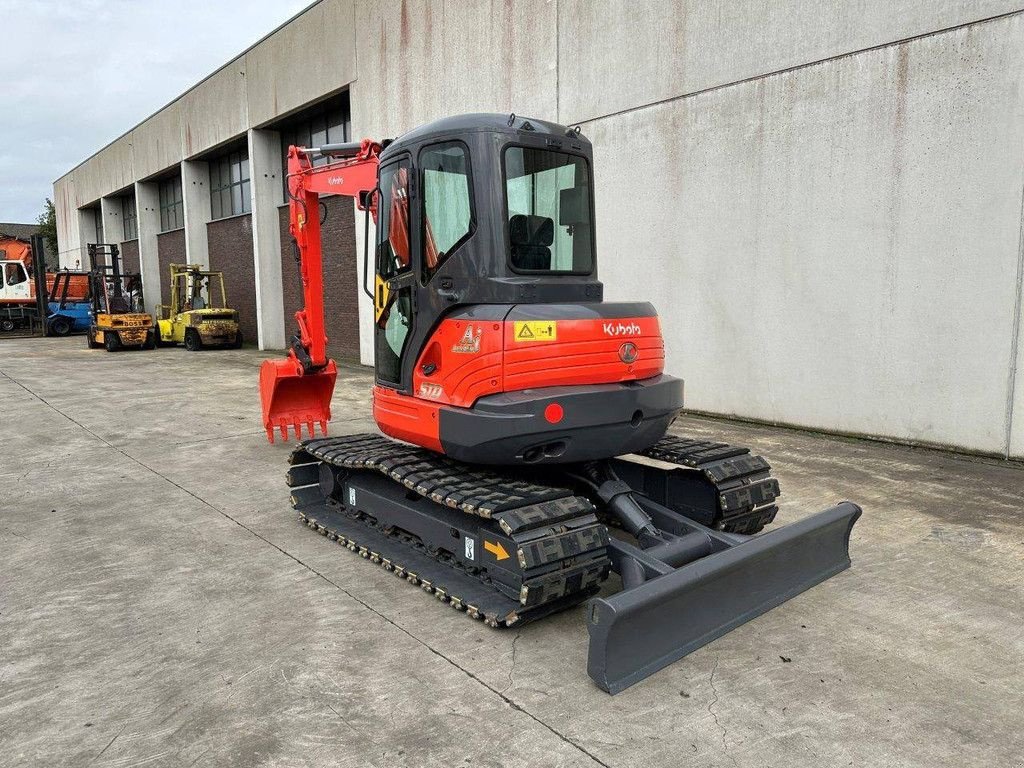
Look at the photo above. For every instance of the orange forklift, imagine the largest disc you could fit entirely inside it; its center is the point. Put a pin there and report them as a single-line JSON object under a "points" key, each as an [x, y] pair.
{"points": [[118, 320]]}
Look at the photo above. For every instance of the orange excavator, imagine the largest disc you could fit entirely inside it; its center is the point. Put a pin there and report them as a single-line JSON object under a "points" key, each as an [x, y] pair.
{"points": [[531, 454]]}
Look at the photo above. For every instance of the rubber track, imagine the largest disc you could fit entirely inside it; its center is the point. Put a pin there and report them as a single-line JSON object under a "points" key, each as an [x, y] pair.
{"points": [[746, 492], [561, 544]]}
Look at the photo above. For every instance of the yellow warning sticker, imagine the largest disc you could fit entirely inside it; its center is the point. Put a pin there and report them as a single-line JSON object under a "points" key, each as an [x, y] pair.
{"points": [[535, 330]]}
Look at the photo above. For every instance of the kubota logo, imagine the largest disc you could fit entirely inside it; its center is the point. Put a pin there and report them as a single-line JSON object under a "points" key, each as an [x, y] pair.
{"points": [[333, 181], [621, 329]]}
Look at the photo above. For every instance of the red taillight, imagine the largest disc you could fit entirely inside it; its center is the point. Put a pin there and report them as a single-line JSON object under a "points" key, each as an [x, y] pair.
{"points": [[553, 413]]}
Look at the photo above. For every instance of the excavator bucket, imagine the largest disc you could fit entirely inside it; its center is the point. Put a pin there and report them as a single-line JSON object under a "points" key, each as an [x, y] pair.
{"points": [[292, 398], [669, 612]]}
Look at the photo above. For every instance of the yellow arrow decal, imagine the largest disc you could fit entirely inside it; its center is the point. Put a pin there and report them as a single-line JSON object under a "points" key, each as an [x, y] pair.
{"points": [[496, 549]]}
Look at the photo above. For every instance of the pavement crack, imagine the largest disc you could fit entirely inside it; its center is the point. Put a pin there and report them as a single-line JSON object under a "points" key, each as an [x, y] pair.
{"points": [[109, 744], [341, 717], [512, 666], [711, 711]]}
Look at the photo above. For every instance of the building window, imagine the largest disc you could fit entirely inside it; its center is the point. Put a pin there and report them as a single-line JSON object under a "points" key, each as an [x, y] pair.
{"points": [[172, 209], [229, 185], [97, 218], [328, 126], [129, 218]]}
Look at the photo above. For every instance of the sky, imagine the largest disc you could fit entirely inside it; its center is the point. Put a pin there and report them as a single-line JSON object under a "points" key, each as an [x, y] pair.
{"points": [[76, 74]]}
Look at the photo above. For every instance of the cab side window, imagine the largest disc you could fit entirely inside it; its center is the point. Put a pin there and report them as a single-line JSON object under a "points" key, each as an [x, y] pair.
{"points": [[447, 204], [14, 274]]}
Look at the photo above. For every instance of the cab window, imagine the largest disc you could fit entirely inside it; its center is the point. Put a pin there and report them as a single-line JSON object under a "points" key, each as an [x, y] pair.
{"points": [[393, 252], [547, 196], [393, 313], [14, 274], [447, 206]]}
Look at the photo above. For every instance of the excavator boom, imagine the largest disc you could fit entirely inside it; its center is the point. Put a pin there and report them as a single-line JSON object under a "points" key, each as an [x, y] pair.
{"points": [[298, 389]]}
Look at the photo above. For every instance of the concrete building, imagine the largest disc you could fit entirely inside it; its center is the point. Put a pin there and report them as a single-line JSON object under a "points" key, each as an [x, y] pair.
{"points": [[824, 200]]}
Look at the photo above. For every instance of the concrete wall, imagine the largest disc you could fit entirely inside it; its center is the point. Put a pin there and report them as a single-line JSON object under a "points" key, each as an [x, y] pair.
{"points": [[1016, 380], [195, 195], [313, 55], [693, 45], [837, 241], [267, 190], [147, 206], [824, 199]]}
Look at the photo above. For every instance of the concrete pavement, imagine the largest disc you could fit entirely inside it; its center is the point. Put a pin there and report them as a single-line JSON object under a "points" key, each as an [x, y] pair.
{"points": [[160, 605]]}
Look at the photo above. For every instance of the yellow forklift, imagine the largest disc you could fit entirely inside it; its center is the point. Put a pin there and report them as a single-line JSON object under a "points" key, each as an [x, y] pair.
{"points": [[118, 318], [195, 317]]}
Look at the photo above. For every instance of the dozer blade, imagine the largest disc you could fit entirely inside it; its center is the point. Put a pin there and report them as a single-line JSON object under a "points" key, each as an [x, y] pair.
{"points": [[644, 628], [292, 398]]}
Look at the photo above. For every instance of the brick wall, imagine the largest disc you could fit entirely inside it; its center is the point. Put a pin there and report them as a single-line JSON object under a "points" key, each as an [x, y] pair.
{"points": [[170, 249], [129, 255], [341, 312], [231, 252]]}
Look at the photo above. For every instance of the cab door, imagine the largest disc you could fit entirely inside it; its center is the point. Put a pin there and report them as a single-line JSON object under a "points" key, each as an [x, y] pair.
{"points": [[393, 299], [17, 286]]}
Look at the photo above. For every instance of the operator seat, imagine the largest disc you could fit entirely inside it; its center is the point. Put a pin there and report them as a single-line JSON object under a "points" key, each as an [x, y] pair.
{"points": [[119, 305], [531, 237]]}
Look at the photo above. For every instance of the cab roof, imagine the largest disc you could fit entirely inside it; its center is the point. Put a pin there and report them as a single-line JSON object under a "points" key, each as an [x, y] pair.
{"points": [[490, 122]]}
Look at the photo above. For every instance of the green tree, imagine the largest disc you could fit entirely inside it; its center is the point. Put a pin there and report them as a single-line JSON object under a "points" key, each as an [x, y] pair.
{"points": [[48, 227]]}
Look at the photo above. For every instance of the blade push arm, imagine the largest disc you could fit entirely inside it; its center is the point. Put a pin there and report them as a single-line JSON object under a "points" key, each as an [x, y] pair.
{"points": [[352, 172]]}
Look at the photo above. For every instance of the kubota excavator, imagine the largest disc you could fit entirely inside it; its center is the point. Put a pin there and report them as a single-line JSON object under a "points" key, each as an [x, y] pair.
{"points": [[532, 415]]}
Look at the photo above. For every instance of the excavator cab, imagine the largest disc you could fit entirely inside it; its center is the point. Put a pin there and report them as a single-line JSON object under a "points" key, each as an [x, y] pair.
{"points": [[489, 312]]}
